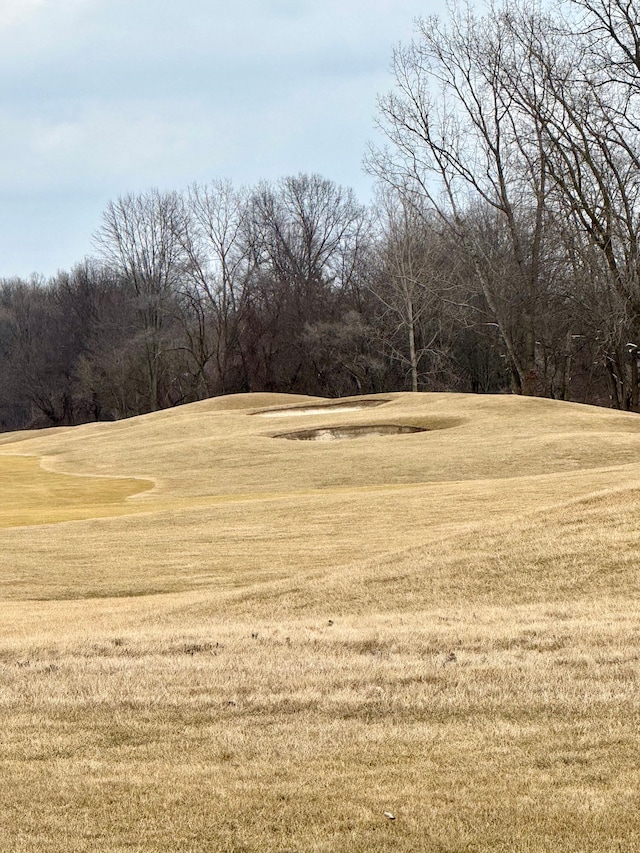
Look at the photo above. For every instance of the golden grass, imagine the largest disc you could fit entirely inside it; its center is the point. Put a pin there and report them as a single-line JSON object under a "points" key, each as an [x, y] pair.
{"points": [[29, 496], [278, 642]]}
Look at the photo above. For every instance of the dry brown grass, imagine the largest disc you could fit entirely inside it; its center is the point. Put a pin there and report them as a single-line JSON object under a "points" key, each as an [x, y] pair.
{"points": [[233, 642]]}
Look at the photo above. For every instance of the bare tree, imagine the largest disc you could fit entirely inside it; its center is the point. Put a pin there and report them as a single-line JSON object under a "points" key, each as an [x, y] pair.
{"points": [[212, 233], [305, 235], [580, 85], [138, 239], [460, 140], [411, 284]]}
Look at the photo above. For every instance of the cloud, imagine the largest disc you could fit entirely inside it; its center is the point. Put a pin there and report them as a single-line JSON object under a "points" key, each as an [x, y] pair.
{"points": [[102, 97], [14, 12], [20, 18]]}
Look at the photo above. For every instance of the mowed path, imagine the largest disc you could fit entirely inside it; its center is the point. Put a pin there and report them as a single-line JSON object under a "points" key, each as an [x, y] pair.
{"points": [[30, 496]]}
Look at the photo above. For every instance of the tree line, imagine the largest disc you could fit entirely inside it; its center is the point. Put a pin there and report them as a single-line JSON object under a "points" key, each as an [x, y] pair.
{"points": [[500, 252]]}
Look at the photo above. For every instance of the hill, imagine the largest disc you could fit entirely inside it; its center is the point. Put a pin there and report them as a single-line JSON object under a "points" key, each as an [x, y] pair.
{"points": [[260, 622]]}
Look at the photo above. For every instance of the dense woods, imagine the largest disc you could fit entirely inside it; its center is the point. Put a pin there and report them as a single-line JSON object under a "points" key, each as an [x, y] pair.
{"points": [[501, 251]]}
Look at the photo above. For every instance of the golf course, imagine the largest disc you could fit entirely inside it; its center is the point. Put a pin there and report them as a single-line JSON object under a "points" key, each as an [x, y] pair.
{"points": [[267, 623]]}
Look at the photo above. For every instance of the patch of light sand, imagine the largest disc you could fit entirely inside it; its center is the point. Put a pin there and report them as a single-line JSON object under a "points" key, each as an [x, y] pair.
{"points": [[318, 410], [337, 433]]}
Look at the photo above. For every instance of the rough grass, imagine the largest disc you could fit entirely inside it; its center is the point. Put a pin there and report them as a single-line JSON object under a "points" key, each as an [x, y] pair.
{"points": [[279, 642]]}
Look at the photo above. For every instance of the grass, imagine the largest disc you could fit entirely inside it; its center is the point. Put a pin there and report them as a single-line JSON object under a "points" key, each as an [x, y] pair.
{"points": [[30, 497], [218, 640]]}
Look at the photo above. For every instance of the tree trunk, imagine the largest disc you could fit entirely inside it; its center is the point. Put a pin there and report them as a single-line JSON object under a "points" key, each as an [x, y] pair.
{"points": [[635, 355], [413, 361]]}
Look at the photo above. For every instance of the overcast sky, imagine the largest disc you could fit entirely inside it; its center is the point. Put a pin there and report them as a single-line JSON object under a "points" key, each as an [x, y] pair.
{"points": [[103, 97]]}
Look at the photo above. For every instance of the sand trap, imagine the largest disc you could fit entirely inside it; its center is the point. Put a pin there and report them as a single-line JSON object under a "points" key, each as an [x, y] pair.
{"points": [[329, 408], [346, 432]]}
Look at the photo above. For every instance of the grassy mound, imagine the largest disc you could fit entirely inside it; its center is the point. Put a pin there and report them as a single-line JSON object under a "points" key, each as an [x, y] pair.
{"points": [[218, 640]]}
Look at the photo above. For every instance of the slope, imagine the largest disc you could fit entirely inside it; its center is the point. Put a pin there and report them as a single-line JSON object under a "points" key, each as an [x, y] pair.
{"points": [[222, 639]]}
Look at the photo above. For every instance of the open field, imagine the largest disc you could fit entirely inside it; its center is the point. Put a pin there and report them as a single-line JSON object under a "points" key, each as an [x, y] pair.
{"points": [[217, 639]]}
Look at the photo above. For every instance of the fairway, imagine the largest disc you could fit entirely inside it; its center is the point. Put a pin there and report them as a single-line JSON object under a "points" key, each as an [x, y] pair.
{"points": [[29, 495], [217, 638]]}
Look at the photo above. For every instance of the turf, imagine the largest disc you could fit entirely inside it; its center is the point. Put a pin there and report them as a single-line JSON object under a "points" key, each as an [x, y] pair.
{"points": [[215, 638]]}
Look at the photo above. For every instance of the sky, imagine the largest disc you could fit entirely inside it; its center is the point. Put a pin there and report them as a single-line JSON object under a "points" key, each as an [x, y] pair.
{"points": [[99, 98]]}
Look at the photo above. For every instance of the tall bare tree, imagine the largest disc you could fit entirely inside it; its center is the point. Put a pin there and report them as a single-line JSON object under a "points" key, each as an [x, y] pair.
{"points": [[138, 239], [411, 283], [458, 139], [305, 235], [581, 86], [213, 235]]}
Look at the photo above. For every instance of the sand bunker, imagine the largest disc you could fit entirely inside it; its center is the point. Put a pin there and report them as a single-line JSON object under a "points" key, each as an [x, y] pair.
{"points": [[345, 432], [327, 408]]}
